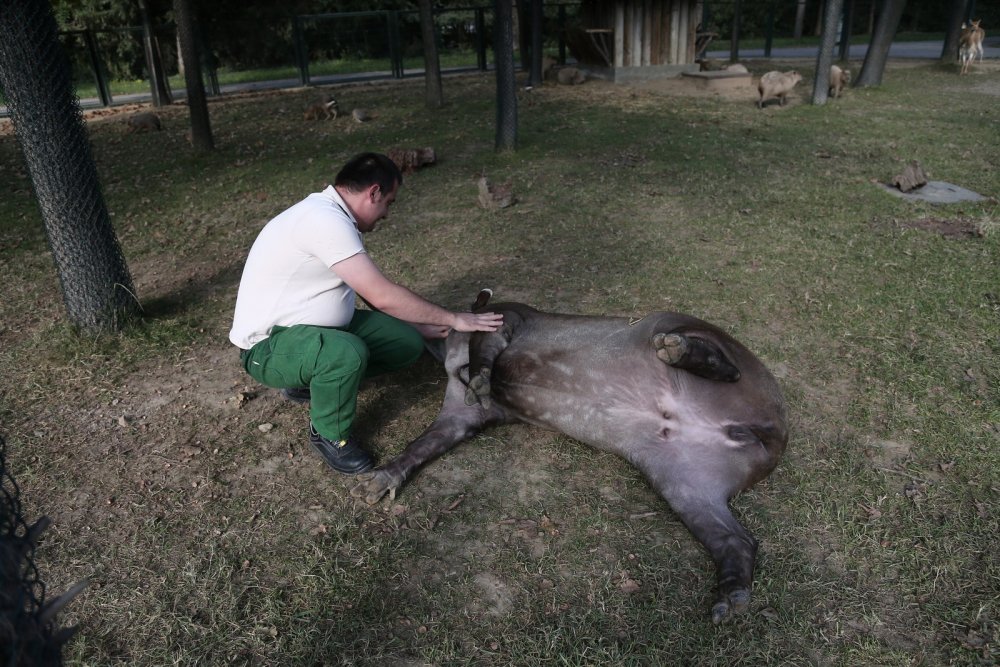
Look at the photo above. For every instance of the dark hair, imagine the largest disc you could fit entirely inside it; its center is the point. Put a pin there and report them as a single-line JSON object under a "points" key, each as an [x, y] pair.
{"points": [[368, 169]]}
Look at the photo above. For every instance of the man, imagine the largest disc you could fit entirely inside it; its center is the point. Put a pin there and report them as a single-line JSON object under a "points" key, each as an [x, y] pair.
{"points": [[295, 321]]}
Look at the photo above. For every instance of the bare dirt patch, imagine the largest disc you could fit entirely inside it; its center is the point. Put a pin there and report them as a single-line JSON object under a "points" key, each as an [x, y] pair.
{"points": [[955, 229]]}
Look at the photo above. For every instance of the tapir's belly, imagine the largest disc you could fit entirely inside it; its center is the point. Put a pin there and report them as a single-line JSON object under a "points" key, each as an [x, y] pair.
{"points": [[592, 392]]}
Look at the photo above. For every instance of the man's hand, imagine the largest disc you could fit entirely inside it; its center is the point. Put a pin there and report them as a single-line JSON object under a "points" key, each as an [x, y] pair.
{"points": [[478, 321]]}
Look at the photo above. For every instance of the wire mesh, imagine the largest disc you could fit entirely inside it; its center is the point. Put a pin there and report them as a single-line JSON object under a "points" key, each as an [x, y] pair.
{"points": [[36, 78], [24, 640]]}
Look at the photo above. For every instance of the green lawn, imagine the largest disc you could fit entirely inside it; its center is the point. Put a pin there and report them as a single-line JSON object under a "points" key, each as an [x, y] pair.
{"points": [[211, 533]]}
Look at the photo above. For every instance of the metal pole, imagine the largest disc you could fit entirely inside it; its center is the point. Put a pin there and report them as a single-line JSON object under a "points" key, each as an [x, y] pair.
{"points": [[562, 34], [299, 42], [769, 38], [395, 51], [481, 39], [734, 45], [845, 32], [95, 63]]}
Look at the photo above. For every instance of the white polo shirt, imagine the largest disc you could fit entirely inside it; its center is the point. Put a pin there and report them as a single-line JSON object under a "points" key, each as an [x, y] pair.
{"points": [[287, 279]]}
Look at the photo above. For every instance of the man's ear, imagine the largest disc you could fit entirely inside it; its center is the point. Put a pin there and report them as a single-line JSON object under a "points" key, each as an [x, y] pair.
{"points": [[374, 191]]}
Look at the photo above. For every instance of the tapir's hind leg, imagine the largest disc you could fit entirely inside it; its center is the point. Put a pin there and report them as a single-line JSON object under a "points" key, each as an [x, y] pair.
{"points": [[733, 549], [699, 497], [695, 354]]}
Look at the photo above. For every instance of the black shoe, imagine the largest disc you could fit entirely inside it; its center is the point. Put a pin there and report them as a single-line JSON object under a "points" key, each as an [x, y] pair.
{"points": [[297, 394], [345, 456]]}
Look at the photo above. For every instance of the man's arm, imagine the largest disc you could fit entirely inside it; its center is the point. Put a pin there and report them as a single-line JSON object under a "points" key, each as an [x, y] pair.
{"points": [[361, 274]]}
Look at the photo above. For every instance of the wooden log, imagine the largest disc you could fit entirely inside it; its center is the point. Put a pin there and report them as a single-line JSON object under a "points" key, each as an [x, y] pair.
{"points": [[913, 177]]}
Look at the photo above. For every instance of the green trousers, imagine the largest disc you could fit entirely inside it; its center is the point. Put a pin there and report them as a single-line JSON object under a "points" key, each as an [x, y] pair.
{"points": [[332, 363]]}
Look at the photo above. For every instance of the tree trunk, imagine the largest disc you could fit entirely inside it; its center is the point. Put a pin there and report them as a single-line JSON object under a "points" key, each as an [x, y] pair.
{"points": [[537, 18], [36, 78], [831, 21], [159, 86], [949, 54], [201, 127], [503, 45], [433, 93], [800, 18], [878, 48]]}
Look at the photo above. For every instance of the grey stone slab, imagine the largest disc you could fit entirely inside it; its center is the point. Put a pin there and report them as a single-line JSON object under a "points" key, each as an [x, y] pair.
{"points": [[935, 192]]}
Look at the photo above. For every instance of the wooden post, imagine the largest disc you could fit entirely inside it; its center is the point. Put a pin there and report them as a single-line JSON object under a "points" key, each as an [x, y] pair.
{"points": [[675, 32], [636, 33], [682, 33], [619, 34], [647, 34]]}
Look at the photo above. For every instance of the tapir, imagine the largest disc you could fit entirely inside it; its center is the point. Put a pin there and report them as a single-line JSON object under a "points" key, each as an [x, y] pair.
{"points": [[677, 397]]}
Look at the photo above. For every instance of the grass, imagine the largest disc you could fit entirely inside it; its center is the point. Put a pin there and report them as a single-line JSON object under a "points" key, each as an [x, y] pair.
{"points": [[207, 540]]}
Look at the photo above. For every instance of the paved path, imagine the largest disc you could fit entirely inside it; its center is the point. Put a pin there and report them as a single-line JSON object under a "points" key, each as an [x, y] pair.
{"points": [[928, 50]]}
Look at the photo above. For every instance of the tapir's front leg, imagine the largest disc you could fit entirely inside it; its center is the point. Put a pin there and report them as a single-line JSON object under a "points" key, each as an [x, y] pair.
{"points": [[455, 424], [484, 348]]}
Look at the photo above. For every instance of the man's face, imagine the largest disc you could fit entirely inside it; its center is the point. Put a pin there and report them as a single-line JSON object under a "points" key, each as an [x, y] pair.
{"points": [[375, 206]]}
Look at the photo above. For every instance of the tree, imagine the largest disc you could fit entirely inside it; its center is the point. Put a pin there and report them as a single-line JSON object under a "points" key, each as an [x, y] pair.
{"points": [[537, 19], [878, 48], [201, 127], [154, 61], [433, 93], [949, 53], [36, 78], [503, 46], [800, 18], [831, 20]]}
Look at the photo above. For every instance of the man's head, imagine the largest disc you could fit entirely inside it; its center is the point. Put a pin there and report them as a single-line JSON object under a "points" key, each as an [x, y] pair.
{"points": [[368, 183]]}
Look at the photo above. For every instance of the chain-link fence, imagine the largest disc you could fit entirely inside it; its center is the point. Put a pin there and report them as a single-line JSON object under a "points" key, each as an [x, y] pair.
{"points": [[110, 65], [28, 632]]}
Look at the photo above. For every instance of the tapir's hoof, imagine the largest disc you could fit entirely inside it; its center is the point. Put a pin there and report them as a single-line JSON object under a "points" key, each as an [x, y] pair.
{"points": [[478, 390], [736, 602], [670, 348], [695, 355], [376, 484]]}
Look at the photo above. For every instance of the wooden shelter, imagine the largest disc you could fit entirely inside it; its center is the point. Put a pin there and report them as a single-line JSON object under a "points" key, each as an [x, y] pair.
{"points": [[627, 40]]}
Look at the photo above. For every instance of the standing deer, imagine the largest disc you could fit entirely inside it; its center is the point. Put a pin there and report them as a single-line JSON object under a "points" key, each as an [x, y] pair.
{"points": [[970, 44]]}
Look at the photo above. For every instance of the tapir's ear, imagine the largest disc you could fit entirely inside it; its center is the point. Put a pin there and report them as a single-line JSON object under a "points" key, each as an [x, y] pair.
{"points": [[482, 298]]}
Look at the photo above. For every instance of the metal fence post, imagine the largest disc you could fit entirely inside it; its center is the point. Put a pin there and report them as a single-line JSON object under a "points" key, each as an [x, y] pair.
{"points": [[299, 42], [769, 31], [208, 61], [481, 38], [95, 63], [845, 31], [734, 45], [395, 51], [562, 34]]}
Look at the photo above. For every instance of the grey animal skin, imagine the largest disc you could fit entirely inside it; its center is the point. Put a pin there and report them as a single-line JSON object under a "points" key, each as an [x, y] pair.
{"points": [[684, 402]]}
